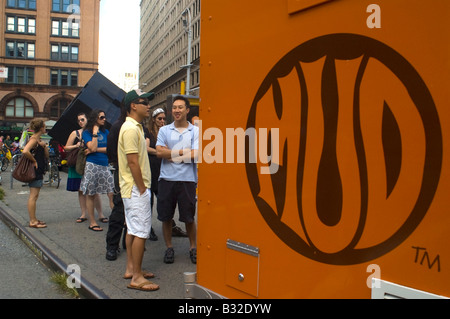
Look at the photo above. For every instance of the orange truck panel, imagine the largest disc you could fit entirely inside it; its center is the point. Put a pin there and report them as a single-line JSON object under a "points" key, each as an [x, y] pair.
{"points": [[348, 175]]}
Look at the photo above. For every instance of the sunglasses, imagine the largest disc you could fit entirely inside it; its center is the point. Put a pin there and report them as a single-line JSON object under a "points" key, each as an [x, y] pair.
{"points": [[102, 117], [161, 118], [81, 120], [146, 103]]}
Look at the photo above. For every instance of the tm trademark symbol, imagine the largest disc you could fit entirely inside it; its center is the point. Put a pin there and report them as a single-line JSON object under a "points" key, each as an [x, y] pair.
{"points": [[422, 255]]}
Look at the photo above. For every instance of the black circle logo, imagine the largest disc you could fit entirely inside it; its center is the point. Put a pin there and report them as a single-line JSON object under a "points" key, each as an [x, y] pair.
{"points": [[360, 149]]}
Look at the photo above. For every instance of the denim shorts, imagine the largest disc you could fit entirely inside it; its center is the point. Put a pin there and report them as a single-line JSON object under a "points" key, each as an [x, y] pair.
{"points": [[37, 183]]}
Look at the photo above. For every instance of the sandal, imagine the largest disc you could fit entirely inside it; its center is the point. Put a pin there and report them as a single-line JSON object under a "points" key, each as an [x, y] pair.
{"points": [[103, 220], [95, 228], [81, 220], [38, 225], [147, 275], [142, 288]]}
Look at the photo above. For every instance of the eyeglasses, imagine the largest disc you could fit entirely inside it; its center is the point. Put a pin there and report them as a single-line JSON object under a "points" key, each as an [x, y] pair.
{"points": [[81, 120], [161, 118], [102, 117]]}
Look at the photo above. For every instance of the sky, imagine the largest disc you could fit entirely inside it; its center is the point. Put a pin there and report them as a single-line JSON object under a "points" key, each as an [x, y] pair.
{"points": [[119, 37]]}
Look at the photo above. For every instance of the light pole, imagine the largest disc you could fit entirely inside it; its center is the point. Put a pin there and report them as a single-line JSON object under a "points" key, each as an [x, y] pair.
{"points": [[187, 23]]}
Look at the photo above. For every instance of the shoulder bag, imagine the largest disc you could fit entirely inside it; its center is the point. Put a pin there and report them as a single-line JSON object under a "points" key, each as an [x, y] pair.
{"points": [[24, 170], [73, 155], [81, 161]]}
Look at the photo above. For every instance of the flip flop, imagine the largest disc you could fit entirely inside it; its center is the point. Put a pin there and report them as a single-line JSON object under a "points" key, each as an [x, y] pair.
{"points": [[38, 225], [81, 220], [95, 228], [147, 275], [141, 286], [103, 220]]}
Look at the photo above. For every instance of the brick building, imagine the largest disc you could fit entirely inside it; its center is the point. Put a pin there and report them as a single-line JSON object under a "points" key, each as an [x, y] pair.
{"points": [[48, 52]]}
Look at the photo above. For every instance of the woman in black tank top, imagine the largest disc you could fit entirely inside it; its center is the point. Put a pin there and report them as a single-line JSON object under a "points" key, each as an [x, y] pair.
{"points": [[37, 151]]}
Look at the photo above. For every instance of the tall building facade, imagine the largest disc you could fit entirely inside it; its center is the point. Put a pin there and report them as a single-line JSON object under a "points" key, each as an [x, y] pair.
{"points": [[48, 52], [164, 46], [129, 81]]}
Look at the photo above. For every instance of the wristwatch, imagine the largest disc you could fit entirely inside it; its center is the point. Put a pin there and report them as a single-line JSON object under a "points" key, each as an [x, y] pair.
{"points": [[94, 135]]}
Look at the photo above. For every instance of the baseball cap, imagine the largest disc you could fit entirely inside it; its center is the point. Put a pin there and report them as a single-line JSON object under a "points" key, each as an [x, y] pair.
{"points": [[135, 94]]}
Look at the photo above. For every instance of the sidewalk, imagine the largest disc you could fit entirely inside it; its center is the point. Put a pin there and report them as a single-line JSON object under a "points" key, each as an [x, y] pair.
{"points": [[64, 242]]}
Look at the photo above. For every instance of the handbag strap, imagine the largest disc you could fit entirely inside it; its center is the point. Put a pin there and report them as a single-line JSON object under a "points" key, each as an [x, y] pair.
{"points": [[33, 150], [80, 137]]}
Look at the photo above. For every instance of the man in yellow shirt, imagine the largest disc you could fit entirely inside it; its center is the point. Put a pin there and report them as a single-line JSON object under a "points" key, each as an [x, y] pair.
{"points": [[135, 179]]}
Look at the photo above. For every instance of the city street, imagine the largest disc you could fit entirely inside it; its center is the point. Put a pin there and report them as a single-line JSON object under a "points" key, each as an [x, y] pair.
{"points": [[21, 272], [69, 243]]}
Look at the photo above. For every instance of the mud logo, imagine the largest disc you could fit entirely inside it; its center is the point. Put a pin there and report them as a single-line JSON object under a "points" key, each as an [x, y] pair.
{"points": [[360, 149]]}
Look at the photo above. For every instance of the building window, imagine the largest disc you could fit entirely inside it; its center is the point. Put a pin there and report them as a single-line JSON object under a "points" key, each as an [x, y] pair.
{"points": [[64, 78], [11, 24], [19, 107], [22, 4], [63, 5], [32, 26], [64, 52], [74, 53], [25, 25], [20, 75], [58, 108], [62, 28], [20, 50]]}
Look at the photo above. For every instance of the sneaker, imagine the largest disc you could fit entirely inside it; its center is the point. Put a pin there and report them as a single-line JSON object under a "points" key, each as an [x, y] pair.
{"points": [[111, 254], [153, 236], [178, 232], [169, 256], [193, 255]]}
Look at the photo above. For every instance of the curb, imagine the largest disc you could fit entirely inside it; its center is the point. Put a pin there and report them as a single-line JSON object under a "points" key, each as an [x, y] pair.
{"points": [[50, 260]]}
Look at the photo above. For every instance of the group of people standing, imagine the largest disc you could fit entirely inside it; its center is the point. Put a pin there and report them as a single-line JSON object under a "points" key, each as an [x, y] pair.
{"points": [[158, 162], [97, 178]]}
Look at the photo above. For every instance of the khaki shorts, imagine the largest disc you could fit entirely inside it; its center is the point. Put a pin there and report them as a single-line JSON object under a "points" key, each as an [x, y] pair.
{"points": [[138, 213]]}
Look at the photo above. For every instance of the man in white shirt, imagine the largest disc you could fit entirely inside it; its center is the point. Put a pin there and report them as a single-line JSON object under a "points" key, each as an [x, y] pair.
{"points": [[178, 145]]}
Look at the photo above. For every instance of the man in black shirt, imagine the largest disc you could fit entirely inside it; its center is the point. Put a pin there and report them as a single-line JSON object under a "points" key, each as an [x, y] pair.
{"points": [[117, 219]]}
